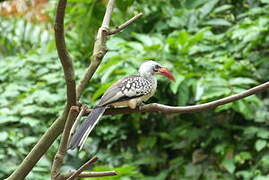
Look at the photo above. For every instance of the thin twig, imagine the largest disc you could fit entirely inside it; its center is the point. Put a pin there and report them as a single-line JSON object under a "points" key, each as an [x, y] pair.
{"points": [[108, 14], [87, 174], [97, 174], [82, 168], [58, 158], [124, 25], [154, 107]]}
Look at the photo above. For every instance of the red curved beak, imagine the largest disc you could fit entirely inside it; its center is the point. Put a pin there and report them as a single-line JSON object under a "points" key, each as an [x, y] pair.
{"points": [[164, 71]]}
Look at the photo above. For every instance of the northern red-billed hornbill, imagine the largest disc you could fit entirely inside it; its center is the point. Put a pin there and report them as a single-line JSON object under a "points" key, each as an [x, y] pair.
{"points": [[128, 91]]}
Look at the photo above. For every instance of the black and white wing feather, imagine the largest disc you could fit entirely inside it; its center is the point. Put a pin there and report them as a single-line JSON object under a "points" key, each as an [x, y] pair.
{"points": [[125, 89]]}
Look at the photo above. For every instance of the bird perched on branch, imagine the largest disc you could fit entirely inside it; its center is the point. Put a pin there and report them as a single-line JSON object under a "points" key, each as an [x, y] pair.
{"points": [[129, 91]]}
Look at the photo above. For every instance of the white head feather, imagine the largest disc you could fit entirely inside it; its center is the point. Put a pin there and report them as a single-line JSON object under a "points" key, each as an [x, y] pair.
{"points": [[147, 68]]}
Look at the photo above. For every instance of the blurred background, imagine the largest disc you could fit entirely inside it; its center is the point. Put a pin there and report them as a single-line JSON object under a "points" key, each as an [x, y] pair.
{"points": [[215, 48]]}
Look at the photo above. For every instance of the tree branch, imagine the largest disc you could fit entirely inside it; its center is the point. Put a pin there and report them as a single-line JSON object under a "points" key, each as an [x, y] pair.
{"points": [[108, 14], [154, 107], [58, 158], [69, 75], [99, 49], [97, 174], [124, 25], [63, 54], [82, 168], [89, 174]]}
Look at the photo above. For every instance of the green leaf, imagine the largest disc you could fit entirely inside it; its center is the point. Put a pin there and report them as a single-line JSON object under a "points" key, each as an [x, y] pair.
{"points": [[218, 22], [260, 144], [242, 106], [194, 3], [101, 90], [146, 143], [3, 136], [199, 91], [242, 157], [145, 39], [174, 86], [184, 94], [30, 121], [8, 119], [244, 174], [223, 8], [229, 165], [241, 80], [265, 1], [27, 141], [208, 7], [263, 133], [265, 160]]}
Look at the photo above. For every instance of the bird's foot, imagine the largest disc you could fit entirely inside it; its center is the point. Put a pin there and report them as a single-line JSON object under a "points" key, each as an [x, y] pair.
{"points": [[141, 105], [81, 106], [76, 108]]}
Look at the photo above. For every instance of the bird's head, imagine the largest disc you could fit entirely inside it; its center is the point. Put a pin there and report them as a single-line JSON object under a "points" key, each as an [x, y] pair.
{"points": [[149, 68]]}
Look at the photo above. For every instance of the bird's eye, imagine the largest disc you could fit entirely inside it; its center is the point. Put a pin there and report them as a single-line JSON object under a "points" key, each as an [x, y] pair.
{"points": [[156, 68]]}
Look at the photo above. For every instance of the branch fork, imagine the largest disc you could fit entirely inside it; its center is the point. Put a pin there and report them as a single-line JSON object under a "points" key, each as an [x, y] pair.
{"points": [[80, 174]]}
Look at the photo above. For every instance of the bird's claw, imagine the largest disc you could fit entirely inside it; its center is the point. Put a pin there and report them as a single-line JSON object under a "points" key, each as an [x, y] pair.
{"points": [[141, 105], [76, 108], [80, 105]]}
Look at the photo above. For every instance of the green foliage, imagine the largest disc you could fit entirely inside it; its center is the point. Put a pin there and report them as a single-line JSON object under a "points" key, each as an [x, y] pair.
{"points": [[214, 48], [19, 36]]}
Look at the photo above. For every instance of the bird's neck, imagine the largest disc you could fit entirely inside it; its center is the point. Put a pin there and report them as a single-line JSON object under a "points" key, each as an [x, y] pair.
{"points": [[147, 76], [150, 77]]}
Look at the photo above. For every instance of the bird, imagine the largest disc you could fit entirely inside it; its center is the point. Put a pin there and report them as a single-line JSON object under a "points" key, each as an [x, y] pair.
{"points": [[130, 91]]}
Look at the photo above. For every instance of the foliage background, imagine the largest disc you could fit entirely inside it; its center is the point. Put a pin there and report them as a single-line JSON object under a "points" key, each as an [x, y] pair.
{"points": [[215, 49]]}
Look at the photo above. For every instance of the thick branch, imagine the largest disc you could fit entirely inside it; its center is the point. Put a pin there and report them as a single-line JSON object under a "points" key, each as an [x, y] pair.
{"points": [[154, 107], [58, 159], [66, 61], [82, 168], [124, 25]]}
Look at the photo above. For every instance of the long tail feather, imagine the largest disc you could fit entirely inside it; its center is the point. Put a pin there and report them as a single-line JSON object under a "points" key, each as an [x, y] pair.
{"points": [[86, 127]]}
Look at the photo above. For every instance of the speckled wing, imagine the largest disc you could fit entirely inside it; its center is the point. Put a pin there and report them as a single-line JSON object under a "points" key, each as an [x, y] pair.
{"points": [[126, 88]]}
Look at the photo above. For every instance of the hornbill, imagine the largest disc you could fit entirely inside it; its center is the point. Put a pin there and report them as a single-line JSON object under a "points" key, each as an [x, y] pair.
{"points": [[128, 91]]}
